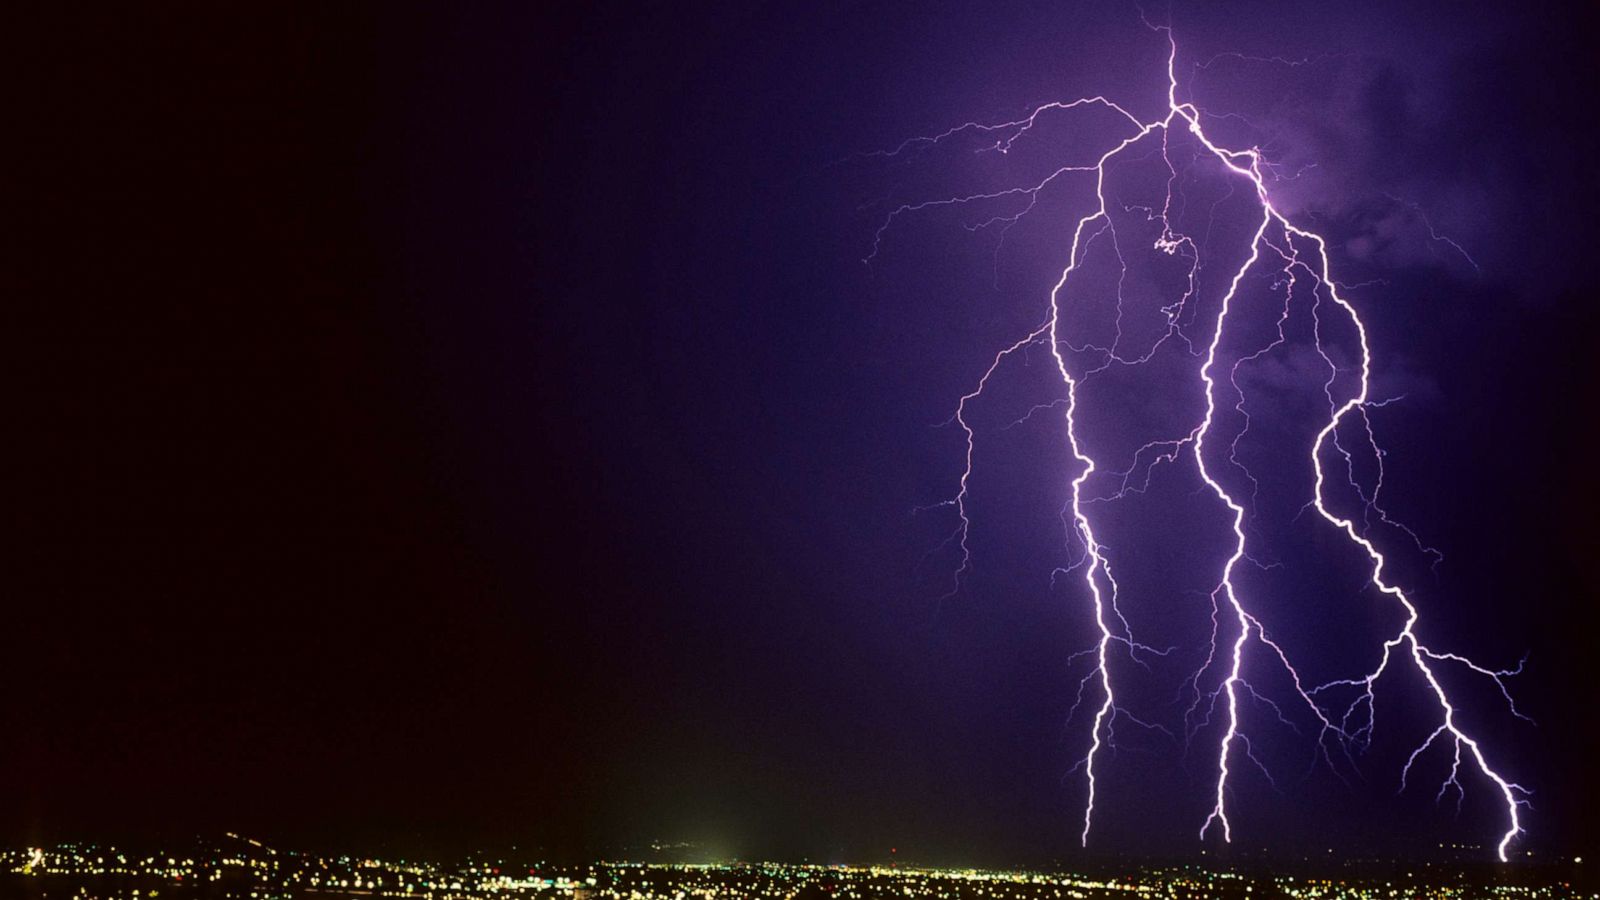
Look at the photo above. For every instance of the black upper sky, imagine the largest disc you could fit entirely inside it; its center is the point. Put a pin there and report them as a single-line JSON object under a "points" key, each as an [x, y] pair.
{"points": [[443, 426]]}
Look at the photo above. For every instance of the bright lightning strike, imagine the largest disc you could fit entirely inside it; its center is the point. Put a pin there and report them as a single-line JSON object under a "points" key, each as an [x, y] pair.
{"points": [[1300, 259]]}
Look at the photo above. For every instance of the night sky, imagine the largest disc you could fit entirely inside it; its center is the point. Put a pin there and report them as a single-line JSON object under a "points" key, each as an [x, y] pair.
{"points": [[445, 427]]}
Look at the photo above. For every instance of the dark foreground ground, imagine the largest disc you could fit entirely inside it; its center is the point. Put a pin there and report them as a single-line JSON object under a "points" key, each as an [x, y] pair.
{"points": [[240, 867]]}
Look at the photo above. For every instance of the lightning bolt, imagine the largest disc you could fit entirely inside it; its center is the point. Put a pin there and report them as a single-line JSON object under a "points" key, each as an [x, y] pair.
{"points": [[1301, 260]]}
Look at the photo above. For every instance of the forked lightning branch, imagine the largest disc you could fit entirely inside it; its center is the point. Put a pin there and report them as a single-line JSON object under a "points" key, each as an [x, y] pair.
{"points": [[1344, 709]]}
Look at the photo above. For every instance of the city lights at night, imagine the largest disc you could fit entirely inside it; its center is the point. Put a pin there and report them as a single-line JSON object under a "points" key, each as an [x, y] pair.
{"points": [[242, 867]]}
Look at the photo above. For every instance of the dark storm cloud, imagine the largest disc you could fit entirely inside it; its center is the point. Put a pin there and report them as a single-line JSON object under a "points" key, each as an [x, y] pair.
{"points": [[1469, 138]]}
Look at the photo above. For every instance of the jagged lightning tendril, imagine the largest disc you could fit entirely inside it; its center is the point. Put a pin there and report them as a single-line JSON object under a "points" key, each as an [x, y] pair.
{"points": [[1301, 257]]}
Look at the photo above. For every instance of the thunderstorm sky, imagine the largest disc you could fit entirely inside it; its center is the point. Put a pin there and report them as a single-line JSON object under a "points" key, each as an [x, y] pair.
{"points": [[480, 425]]}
